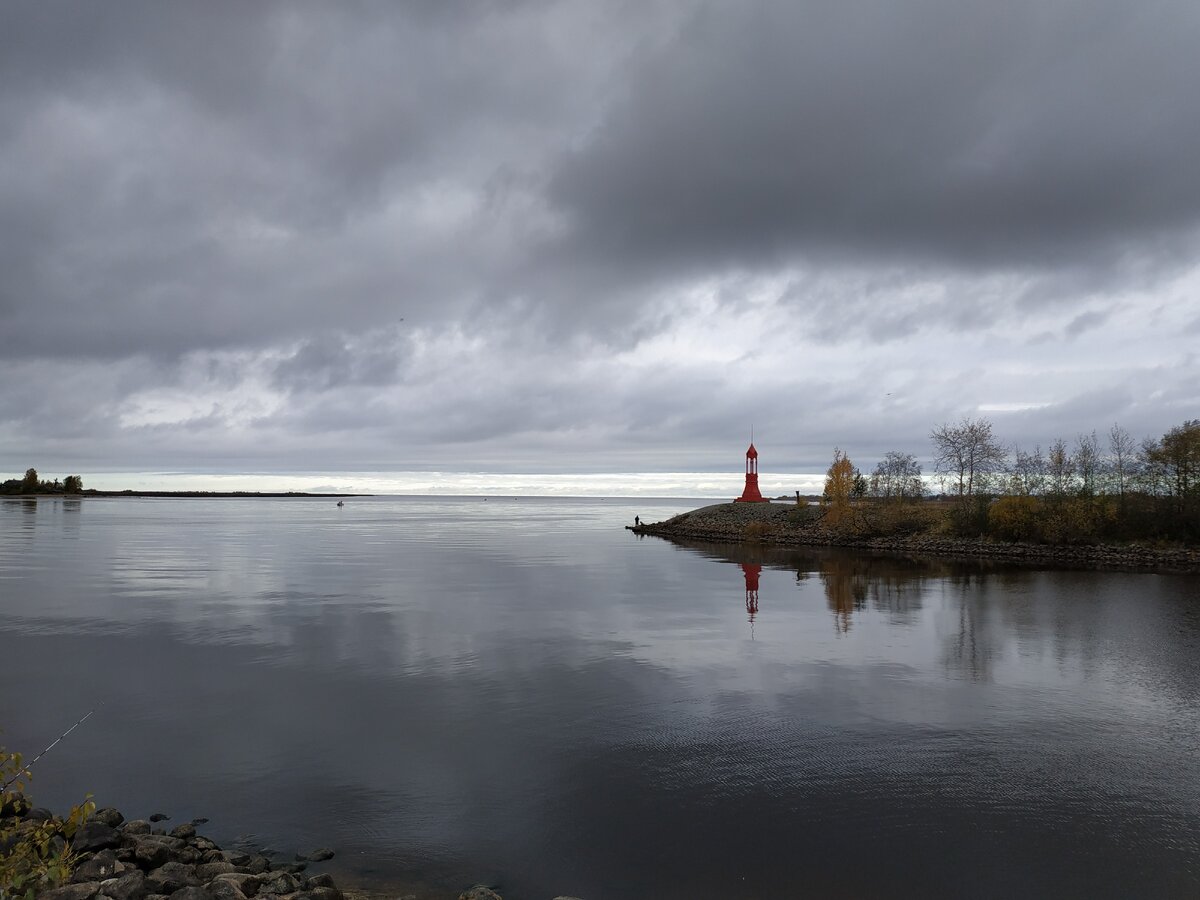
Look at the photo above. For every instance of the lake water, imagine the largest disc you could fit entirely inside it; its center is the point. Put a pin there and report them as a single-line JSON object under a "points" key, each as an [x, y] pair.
{"points": [[522, 692]]}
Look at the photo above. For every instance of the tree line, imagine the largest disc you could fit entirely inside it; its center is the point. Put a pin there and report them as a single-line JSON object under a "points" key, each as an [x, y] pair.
{"points": [[1093, 489], [31, 484]]}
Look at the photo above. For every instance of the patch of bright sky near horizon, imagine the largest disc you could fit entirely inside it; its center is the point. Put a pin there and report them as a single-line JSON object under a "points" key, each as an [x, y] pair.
{"points": [[570, 239], [717, 485]]}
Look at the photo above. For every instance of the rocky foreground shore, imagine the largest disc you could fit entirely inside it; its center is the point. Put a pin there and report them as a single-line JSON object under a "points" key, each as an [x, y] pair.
{"points": [[776, 524], [136, 860]]}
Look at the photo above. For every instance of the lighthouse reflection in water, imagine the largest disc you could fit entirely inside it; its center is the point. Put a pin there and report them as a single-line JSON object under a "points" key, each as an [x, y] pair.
{"points": [[751, 571]]}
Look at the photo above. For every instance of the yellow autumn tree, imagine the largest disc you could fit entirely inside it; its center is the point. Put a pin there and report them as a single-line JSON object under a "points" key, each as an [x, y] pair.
{"points": [[839, 487]]}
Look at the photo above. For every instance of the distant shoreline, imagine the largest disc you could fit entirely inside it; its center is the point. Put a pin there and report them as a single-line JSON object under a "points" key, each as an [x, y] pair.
{"points": [[194, 495]]}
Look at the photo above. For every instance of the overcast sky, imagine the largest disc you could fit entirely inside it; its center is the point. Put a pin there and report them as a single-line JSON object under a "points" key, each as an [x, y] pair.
{"points": [[532, 238]]}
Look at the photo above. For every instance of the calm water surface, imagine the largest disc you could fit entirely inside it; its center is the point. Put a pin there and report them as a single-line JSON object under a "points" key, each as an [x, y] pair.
{"points": [[521, 692]]}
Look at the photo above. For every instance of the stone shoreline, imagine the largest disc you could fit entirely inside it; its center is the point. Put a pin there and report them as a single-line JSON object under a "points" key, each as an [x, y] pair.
{"points": [[768, 523], [135, 860]]}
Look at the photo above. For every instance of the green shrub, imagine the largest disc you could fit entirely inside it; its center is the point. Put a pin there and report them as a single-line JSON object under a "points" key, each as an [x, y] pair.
{"points": [[34, 856]]}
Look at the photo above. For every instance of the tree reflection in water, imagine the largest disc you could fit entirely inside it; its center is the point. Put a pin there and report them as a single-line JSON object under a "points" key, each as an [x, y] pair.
{"points": [[896, 587]]}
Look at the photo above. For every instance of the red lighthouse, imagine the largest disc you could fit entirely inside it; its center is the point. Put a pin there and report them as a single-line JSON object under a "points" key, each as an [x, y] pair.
{"points": [[751, 494]]}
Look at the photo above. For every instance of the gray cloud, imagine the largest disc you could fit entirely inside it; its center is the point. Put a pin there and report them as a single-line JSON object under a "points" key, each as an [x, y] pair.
{"points": [[552, 237]]}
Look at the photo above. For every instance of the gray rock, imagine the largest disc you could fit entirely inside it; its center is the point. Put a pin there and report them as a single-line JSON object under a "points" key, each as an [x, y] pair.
{"points": [[151, 854], [199, 820], [83, 891], [236, 857], [109, 816], [479, 892], [257, 865], [319, 893], [210, 870], [247, 884], [93, 836], [39, 814], [320, 855], [130, 885], [192, 893], [280, 883], [172, 844], [225, 890], [203, 843], [183, 831], [170, 877], [136, 826], [321, 879], [101, 866], [160, 817]]}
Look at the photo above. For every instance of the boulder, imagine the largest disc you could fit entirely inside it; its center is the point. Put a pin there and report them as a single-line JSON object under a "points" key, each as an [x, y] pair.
{"points": [[39, 814], [129, 885], [136, 826], [208, 871], [322, 879], [225, 890], [93, 836], [183, 831], [479, 892], [280, 883], [151, 854], [247, 884], [257, 865], [236, 857], [170, 877], [320, 855], [82, 891], [101, 866], [319, 893], [192, 893], [109, 816]]}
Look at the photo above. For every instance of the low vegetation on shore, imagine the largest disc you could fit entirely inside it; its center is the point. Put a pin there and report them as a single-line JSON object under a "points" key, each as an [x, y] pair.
{"points": [[1083, 493]]}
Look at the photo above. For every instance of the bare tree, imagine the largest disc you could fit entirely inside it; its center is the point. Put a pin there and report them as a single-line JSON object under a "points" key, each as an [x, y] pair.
{"points": [[1028, 472], [897, 477], [1060, 468], [1122, 458], [966, 454], [1177, 460], [1087, 462]]}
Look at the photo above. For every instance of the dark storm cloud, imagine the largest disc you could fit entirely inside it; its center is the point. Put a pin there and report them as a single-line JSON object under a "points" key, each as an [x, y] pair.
{"points": [[573, 236], [975, 133]]}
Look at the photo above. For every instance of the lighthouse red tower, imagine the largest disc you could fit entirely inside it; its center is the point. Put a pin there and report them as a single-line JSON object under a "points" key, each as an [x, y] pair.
{"points": [[751, 494]]}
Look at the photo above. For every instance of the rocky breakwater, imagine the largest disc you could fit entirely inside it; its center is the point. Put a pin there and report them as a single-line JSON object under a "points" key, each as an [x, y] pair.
{"points": [[133, 860], [117, 859], [787, 525]]}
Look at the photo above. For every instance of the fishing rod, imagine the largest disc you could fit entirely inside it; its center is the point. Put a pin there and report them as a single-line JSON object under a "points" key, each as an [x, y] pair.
{"points": [[25, 768]]}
